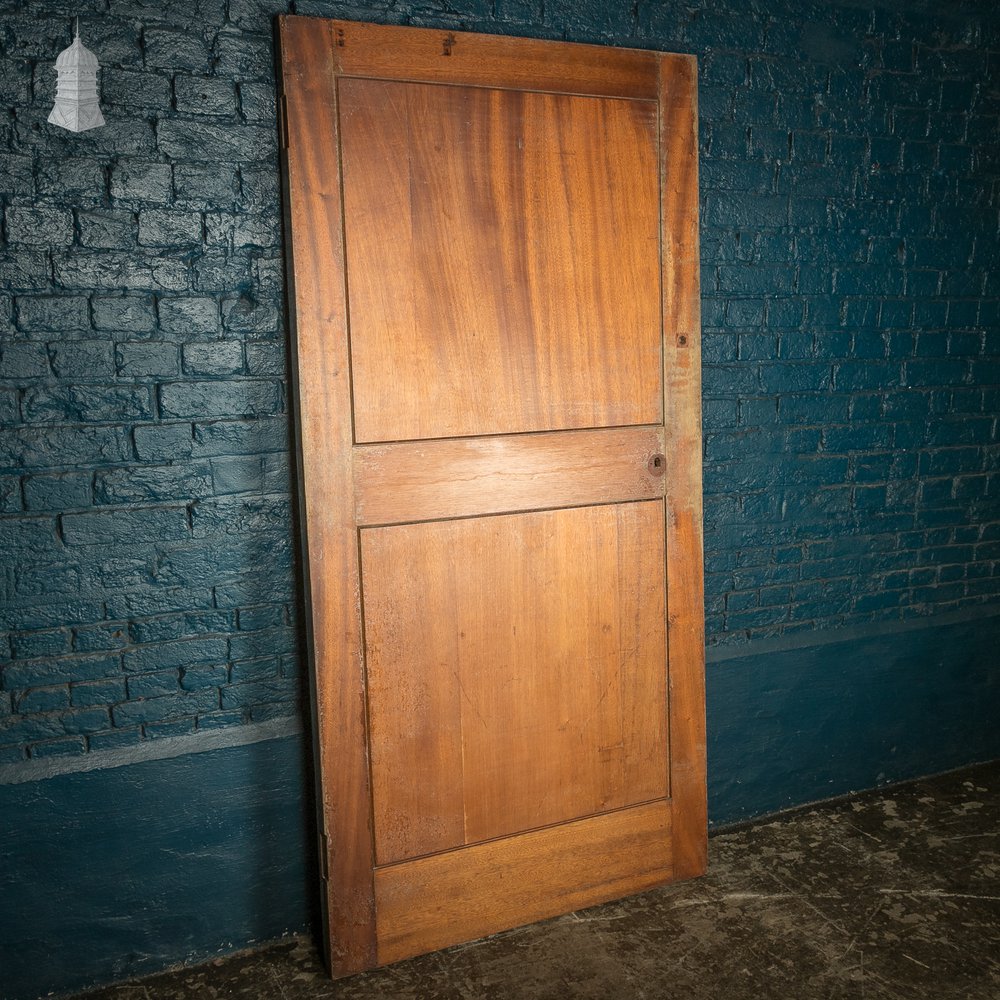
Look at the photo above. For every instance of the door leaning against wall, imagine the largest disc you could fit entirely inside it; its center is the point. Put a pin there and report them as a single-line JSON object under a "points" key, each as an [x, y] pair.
{"points": [[494, 257]]}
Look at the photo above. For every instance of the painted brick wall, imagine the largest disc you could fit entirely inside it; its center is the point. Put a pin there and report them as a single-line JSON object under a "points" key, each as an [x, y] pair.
{"points": [[850, 189], [147, 574]]}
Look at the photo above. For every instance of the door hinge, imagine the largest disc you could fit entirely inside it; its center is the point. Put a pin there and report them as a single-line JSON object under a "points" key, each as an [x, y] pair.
{"points": [[324, 858], [282, 122]]}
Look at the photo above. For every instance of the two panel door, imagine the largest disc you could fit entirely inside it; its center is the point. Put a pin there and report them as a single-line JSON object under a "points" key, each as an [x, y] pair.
{"points": [[493, 248]]}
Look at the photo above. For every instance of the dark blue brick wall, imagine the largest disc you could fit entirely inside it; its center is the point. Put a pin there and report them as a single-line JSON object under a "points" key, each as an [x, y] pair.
{"points": [[147, 584], [850, 180]]}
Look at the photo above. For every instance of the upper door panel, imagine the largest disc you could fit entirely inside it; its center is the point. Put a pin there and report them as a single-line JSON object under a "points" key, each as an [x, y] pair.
{"points": [[521, 234]]}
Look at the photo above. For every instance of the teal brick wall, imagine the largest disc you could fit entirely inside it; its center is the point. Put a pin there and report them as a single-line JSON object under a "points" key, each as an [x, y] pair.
{"points": [[849, 178], [850, 193]]}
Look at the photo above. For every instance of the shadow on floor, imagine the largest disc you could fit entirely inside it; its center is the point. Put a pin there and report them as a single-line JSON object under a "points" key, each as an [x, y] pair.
{"points": [[892, 894]]}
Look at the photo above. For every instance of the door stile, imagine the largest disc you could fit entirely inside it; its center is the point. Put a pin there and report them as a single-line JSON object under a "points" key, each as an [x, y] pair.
{"points": [[678, 100], [326, 433]]}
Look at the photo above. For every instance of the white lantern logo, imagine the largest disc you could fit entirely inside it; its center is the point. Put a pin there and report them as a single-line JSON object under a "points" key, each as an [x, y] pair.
{"points": [[76, 106]]}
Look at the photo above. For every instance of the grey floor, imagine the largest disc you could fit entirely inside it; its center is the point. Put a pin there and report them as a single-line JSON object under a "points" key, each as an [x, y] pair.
{"points": [[888, 895]]}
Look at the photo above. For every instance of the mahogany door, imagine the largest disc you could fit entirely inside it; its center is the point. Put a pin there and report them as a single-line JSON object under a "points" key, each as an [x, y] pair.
{"points": [[494, 253]]}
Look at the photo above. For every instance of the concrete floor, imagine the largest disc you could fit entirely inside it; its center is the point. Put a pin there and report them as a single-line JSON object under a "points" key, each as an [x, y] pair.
{"points": [[889, 895]]}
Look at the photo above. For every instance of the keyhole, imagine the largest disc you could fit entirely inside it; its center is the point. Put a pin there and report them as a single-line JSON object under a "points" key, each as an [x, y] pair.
{"points": [[657, 465]]}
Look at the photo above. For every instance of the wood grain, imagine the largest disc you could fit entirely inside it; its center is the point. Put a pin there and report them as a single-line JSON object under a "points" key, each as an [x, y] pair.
{"points": [[389, 53], [432, 902], [522, 234], [431, 480], [516, 672], [682, 392], [325, 433], [492, 339]]}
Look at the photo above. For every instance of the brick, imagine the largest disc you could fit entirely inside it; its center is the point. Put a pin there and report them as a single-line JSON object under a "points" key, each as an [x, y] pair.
{"points": [[49, 642], [78, 180], [136, 484], [198, 677], [252, 317], [65, 491], [260, 192], [179, 654], [90, 694], [125, 526], [115, 739], [189, 316], [264, 642], [176, 50], [249, 590], [257, 102], [53, 670], [266, 359], [163, 227], [861, 437], [95, 638], [262, 669], [219, 271], [850, 376], [264, 616], [240, 516], [46, 578], [205, 622], [198, 140], [10, 496], [158, 629], [240, 474], [112, 229], [244, 56], [277, 474], [52, 313], [39, 226], [153, 685], [85, 720], [169, 729], [139, 360], [82, 359], [125, 313], [795, 377], [221, 720], [162, 598], [241, 437], [134, 90], [92, 269], [208, 185], [141, 181], [23, 534], [938, 372], [222, 397], [204, 95], [259, 692], [40, 448], [163, 442], [23, 361], [17, 175], [42, 699], [242, 230], [86, 403], [25, 270], [15, 729], [215, 358], [185, 703]]}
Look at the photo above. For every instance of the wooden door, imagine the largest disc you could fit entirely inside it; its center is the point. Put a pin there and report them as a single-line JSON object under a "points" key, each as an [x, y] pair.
{"points": [[494, 254]]}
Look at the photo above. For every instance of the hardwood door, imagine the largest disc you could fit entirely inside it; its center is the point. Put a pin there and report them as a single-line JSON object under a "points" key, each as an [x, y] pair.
{"points": [[494, 259]]}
